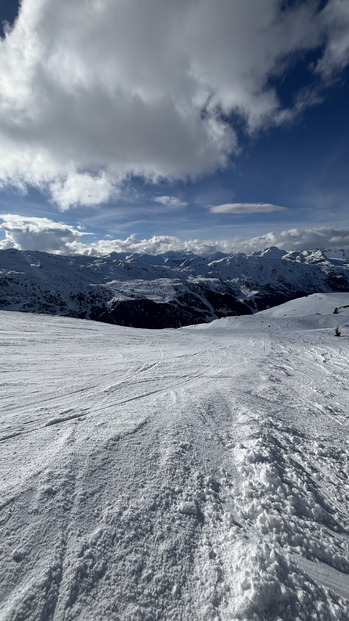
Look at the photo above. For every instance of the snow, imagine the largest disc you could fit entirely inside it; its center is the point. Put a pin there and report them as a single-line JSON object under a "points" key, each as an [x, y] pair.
{"points": [[162, 289], [318, 303], [198, 474], [90, 287]]}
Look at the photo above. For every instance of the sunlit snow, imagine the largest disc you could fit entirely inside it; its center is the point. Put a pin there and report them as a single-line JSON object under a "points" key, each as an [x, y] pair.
{"points": [[198, 474]]}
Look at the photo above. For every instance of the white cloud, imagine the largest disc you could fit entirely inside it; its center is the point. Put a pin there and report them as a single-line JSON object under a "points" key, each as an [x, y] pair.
{"points": [[302, 239], [292, 239], [83, 189], [170, 201], [242, 208], [335, 19], [93, 91], [43, 234], [29, 233]]}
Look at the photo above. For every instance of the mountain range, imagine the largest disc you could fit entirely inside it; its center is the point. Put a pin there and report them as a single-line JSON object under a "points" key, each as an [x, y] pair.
{"points": [[168, 290]]}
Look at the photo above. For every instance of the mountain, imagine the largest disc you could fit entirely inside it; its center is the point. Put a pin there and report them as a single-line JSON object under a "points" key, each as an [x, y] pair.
{"points": [[198, 474], [169, 290]]}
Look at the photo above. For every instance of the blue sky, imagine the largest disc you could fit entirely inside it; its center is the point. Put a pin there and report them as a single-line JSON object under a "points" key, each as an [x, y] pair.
{"points": [[157, 126]]}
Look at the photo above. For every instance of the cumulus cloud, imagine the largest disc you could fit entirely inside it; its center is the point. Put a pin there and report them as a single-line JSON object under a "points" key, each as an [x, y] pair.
{"points": [[29, 233], [292, 239], [242, 208], [170, 201], [83, 189], [43, 234], [302, 239], [95, 91]]}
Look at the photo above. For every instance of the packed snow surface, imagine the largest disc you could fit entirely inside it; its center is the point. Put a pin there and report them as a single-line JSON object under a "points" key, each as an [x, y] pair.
{"points": [[198, 474]]}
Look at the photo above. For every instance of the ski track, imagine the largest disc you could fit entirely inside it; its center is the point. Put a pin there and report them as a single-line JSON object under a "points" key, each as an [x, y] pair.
{"points": [[196, 475]]}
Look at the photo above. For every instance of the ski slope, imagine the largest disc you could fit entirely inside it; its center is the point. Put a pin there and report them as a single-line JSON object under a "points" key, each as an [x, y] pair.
{"points": [[198, 474]]}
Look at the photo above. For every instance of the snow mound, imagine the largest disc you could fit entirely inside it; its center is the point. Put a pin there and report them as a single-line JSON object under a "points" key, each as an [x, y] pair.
{"points": [[317, 303]]}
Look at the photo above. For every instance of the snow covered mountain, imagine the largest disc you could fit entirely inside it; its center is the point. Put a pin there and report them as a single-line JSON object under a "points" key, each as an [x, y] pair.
{"points": [[169, 290], [198, 474]]}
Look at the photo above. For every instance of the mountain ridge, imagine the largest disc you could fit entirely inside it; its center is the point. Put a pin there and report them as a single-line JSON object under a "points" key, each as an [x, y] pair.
{"points": [[166, 290]]}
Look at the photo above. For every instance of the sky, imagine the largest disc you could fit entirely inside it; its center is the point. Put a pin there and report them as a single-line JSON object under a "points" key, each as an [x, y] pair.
{"points": [[195, 125]]}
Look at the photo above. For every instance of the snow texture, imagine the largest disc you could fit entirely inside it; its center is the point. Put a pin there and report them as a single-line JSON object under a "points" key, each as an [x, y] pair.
{"points": [[198, 474]]}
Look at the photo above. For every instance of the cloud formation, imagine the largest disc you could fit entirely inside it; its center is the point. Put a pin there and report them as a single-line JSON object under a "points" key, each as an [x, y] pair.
{"points": [[95, 91], [335, 19], [244, 208], [29, 233], [293, 239], [301, 239], [26, 233], [170, 201]]}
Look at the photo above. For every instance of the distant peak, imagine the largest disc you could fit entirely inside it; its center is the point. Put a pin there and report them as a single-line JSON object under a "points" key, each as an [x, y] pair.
{"points": [[273, 252]]}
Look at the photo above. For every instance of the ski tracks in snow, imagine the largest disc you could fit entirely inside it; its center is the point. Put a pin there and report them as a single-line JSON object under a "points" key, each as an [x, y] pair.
{"points": [[198, 475]]}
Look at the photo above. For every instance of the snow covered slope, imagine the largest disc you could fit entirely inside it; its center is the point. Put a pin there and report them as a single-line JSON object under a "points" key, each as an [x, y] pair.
{"points": [[169, 290], [182, 475]]}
